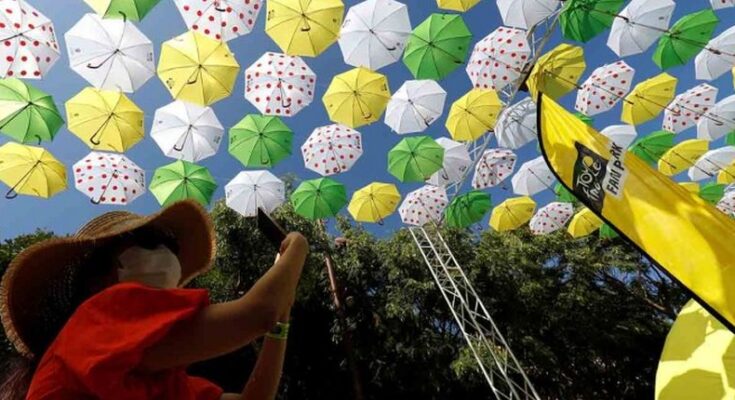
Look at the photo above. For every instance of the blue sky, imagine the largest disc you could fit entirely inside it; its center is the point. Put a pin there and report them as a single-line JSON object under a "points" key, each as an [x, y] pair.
{"points": [[66, 211]]}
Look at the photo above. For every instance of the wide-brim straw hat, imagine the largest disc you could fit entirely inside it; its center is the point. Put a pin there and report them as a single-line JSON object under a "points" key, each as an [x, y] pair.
{"points": [[39, 282]]}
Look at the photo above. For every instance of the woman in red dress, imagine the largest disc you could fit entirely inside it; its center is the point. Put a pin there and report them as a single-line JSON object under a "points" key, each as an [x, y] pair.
{"points": [[103, 314]]}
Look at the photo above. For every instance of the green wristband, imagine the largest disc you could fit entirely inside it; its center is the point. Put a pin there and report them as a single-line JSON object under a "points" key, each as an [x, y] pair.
{"points": [[279, 332]]}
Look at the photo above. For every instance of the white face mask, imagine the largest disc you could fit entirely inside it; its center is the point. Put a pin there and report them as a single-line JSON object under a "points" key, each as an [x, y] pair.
{"points": [[158, 267]]}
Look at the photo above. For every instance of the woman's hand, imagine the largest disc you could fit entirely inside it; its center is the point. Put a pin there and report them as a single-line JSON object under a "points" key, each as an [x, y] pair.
{"points": [[294, 240]]}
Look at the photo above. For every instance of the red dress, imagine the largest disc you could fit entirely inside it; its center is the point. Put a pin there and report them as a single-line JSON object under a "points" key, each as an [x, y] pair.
{"points": [[96, 353]]}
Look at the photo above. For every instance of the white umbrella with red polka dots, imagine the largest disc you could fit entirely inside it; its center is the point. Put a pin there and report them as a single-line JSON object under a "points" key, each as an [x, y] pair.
{"points": [[279, 84], [727, 203], [532, 177], [495, 166], [687, 108], [551, 218], [109, 178], [516, 125], [456, 162], [332, 149], [415, 106], [498, 59], [423, 205], [28, 43], [220, 19], [604, 88]]}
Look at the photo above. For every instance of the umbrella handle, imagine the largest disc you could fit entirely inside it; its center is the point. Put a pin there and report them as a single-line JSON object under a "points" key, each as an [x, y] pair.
{"points": [[196, 77], [125, 16], [39, 139], [368, 115], [719, 123], [96, 202], [285, 105], [11, 194], [179, 149], [306, 27], [94, 141]]}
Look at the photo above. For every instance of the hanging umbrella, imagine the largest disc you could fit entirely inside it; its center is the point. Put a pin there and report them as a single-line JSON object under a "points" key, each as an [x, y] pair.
{"points": [[374, 33], [712, 162], [499, 58], [525, 14], [416, 158], [437, 46], [110, 53], [532, 177], [584, 223], [639, 25], [682, 156], [220, 19], [278, 84], [651, 147], [319, 198], [250, 190], [648, 99], [622, 135], [581, 20], [304, 28], [604, 88], [467, 209], [718, 121], [607, 232], [260, 141], [516, 125], [186, 131], [457, 5], [473, 114], [130, 9], [720, 4], [551, 218], [493, 167], [415, 106], [374, 202], [423, 205], [332, 149], [718, 57], [727, 204], [30, 171], [712, 192], [357, 97], [687, 37], [687, 108], [456, 162], [30, 48], [556, 73], [564, 195], [512, 213], [198, 69], [27, 114], [109, 178], [182, 180], [104, 119]]}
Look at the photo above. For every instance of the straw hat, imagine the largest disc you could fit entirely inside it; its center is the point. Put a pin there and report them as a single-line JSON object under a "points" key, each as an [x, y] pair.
{"points": [[37, 291]]}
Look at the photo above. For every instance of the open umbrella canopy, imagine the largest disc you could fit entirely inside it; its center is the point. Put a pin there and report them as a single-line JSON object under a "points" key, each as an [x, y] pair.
{"points": [[424, 205], [551, 218], [260, 141], [682, 156], [304, 28], [456, 162], [109, 178], [24, 25], [652, 146], [27, 114], [467, 209], [718, 57], [648, 99], [196, 68], [516, 125], [357, 97], [512, 213], [584, 223], [415, 159], [437, 46], [712, 192], [532, 177], [718, 121], [332, 149], [31, 171], [622, 135], [581, 20], [187, 131], [687, 37], [473, 115], [126, 9], [493, 167], [250, 190], [220, 19], [374, 202], [556, 73], [639, 25], [415, 106], [711, 163], [687, 108], [182, 180], [456, 5], [604, 88], [319, 198], [499, 58], [279, 84], [525, 14]]}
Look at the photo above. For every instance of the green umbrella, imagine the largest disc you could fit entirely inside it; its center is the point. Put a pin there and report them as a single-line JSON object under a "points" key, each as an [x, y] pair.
{"points": [[415, 159], [259, 141], [467, 209], [27, 114], [563, 194], [589, 121], [712, 192], [437, 46], [182, 180], [687, 37], [581, 20], [651, 147], [607, 232], [319, 198], [129, 9]]}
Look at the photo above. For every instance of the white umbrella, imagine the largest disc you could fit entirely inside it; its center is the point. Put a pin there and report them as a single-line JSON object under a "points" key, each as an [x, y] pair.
{"points": [[551, 218], [29, 41], [532, 177], [498, 59], [516, 125], [711, 162], [604, 88], [332, 149], [249, 190], [456, 162], [718, 57], [719, 4], [374, 33], [718, 121], [639, 25], [110, 53], [187, 131], [687, 108], [220, 19], [622, 135], [109, 178], [423, 205], [727, 204], [279, 84], [525, 14], [493, 167], [414, 106]]}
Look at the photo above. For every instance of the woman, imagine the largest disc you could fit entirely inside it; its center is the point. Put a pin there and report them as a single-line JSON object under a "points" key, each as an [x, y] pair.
{"points": [[102, 314]]}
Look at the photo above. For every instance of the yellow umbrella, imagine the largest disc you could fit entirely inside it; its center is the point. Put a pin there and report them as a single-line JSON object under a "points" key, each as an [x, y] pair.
{"points": [[726, 175], [457, 5], [584, 223], [692, 187], [698, 359], [648, 99], [512, 213], [473, 114], [105, 119], [304, 27], [357, 97], [682, 156], [30, 170], [374, 202], [197, 68], [556, 73]]}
